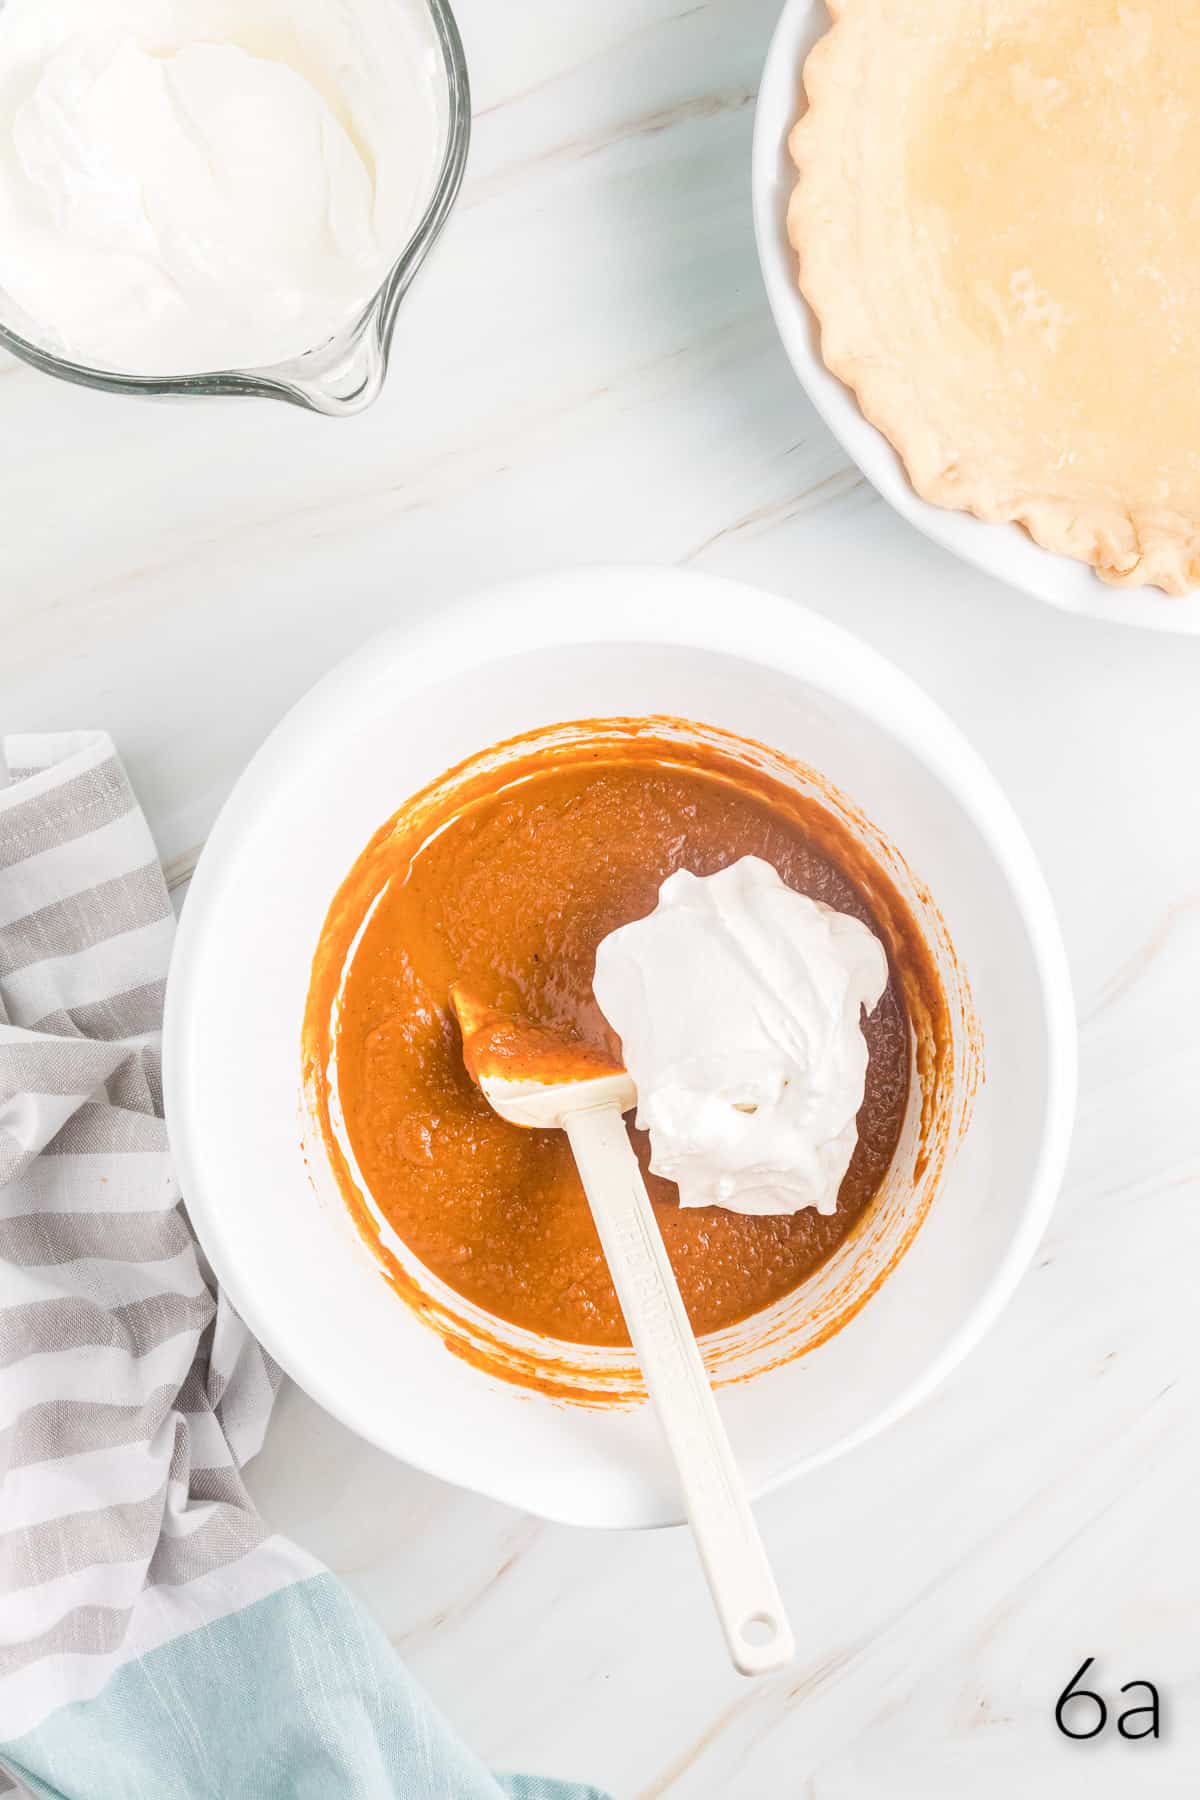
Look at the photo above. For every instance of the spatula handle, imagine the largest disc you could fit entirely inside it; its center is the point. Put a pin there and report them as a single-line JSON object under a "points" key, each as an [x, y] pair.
{"points": [[731, 1549]]}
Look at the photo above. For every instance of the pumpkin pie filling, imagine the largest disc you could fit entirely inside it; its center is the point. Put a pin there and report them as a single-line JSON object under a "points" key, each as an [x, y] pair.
{"points": [[504, 883]]}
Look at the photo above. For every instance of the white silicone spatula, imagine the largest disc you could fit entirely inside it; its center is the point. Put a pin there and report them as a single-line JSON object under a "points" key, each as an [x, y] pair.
{"points": [[533, 1079]]}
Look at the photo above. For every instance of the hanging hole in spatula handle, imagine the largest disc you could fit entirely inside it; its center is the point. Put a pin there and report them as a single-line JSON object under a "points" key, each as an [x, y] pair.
{"points": [[763, 1642], [759, 1630]]}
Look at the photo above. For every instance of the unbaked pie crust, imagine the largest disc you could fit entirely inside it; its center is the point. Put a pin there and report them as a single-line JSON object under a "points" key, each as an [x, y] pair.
{"points": [[998, 228]]}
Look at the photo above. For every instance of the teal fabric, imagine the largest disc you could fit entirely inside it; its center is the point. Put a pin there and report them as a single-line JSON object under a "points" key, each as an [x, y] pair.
{"points": [[297, 1697], [534, 1787]]}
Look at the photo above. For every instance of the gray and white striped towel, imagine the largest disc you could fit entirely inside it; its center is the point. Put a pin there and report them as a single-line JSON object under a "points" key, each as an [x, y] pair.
{"points": [[156, 1642], [129, 1392]]}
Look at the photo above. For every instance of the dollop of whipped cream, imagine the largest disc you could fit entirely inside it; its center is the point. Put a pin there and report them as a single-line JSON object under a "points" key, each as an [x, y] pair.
{"points": [[739, 1007], [189, 187]]}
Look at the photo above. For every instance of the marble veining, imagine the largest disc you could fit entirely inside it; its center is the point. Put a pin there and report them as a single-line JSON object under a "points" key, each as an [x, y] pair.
{"points": [[588, 372]]}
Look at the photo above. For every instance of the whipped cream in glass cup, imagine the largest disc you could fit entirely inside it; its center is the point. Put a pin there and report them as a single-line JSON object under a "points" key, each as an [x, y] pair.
{"points": [[146, 144]]}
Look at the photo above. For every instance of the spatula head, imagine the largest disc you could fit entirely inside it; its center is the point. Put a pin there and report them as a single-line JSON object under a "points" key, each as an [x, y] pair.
{"points": [[529, 1075]]}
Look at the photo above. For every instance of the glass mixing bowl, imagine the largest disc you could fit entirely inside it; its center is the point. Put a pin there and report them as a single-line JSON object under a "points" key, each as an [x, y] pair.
{"points": [[344, 374]]}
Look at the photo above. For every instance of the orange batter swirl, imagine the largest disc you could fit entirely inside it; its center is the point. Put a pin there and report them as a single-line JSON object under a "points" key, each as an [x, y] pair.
{"points": [[505, 881]]}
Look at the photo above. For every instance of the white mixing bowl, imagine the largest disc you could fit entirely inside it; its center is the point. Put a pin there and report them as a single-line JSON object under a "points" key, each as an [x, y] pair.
{"points": [[414, 702]]}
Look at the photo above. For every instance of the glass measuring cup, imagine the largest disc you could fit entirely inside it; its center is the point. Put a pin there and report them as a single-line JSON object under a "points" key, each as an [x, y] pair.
{"points": [[345, 373]]}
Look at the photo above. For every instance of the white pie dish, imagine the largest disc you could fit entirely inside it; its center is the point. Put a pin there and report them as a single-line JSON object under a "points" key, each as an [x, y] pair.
{"points": [[1003, 550]]}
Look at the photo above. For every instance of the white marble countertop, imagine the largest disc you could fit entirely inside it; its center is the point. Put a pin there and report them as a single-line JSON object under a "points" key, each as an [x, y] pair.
{"points": [[588, 372]]}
